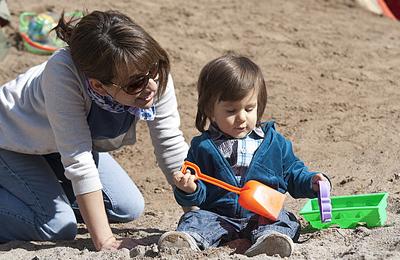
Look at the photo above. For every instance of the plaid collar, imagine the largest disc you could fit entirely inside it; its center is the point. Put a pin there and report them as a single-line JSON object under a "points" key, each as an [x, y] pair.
{"points": [[216, 133]]}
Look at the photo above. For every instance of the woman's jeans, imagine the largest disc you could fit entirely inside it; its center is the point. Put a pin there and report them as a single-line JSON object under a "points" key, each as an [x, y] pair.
{"points": [[211, 230], [37, 201]]}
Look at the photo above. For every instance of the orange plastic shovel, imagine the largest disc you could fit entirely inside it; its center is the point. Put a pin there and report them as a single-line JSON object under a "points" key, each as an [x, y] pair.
{"points": [[254, 195]]}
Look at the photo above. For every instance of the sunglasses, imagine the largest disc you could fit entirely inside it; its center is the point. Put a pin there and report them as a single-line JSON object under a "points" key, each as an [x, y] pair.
{"points": [[139, 82]]}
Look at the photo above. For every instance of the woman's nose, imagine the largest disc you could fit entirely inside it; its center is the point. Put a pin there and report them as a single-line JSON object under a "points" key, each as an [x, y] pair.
{"points": [[152, 85]]}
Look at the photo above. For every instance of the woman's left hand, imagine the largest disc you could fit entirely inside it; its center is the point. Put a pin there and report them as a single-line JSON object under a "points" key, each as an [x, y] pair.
{"points": [[316, 178]]}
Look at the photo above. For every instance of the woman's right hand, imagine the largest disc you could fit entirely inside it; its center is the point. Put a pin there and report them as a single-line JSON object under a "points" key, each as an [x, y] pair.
{"points": [[114, 244], [92, 209], [185, 182]]}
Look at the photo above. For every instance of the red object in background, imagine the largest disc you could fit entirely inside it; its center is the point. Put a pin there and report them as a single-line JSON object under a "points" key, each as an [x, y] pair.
{"points": [[390, 8]]}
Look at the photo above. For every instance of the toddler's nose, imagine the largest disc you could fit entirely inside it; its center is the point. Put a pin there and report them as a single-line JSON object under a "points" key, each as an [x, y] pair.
{"points": [[241, 116]]}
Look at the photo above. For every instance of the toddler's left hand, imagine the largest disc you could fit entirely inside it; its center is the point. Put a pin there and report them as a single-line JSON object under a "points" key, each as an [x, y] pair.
{"points": [[318, 177]]}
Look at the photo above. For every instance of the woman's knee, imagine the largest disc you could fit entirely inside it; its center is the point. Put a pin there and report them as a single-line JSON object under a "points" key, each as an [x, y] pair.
{"points": [[62, 226], [126, 210]]}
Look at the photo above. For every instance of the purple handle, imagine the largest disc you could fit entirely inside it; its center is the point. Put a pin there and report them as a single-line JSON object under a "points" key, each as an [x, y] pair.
{"points": [[324, 201]]}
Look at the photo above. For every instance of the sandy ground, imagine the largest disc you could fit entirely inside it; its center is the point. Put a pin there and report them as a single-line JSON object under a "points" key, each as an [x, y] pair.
{"points": [[332, 70]]}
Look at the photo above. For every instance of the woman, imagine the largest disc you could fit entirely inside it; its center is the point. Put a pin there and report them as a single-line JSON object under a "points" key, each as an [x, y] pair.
{"points": [[59, 120]]}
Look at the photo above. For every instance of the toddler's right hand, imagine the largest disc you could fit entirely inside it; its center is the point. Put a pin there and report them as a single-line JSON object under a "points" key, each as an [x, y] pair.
{"points": [[185, 182]]}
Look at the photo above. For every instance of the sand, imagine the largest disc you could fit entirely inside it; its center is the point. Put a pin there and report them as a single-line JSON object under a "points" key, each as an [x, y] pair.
{"points": [[332, 71]]}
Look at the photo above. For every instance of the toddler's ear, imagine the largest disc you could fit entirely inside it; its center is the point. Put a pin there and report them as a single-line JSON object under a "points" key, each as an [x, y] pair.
{"points": [[209, 113]]}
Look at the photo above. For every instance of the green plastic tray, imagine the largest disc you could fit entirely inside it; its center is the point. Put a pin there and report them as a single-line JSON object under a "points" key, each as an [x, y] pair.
{"points": [[349, 211]]}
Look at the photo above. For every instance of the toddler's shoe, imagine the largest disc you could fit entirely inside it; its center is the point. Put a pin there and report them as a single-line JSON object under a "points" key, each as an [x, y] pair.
{"points": [[272, 244], [177, 240]]}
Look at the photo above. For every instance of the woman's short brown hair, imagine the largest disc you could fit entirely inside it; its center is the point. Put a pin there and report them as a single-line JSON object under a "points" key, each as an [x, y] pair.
{"points": [[228, 78], [106, 45]]}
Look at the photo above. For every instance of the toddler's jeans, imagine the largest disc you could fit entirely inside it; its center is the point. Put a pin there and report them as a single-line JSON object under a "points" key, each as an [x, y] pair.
{"points": [[211, 230]]}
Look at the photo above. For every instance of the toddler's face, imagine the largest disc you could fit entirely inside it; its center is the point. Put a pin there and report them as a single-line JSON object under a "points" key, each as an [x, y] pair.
{"points": [[236, 118]]}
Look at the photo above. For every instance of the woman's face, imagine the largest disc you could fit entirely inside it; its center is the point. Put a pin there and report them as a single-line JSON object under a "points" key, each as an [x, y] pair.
{"points": [[142, 99], [138, 92]]}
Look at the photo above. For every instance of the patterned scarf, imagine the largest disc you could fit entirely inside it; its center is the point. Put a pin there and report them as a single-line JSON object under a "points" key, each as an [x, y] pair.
{"points": [[109, 104]]}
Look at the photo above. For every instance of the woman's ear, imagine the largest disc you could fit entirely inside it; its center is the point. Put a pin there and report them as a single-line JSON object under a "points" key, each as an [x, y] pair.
{"points": [[97, 86]]}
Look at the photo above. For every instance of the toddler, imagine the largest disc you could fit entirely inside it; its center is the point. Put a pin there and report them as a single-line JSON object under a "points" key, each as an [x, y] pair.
{"points": [[235, 148]]}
